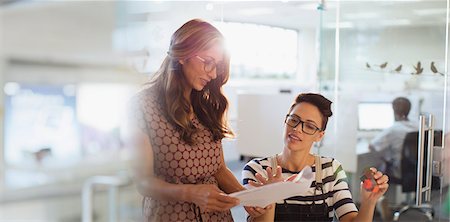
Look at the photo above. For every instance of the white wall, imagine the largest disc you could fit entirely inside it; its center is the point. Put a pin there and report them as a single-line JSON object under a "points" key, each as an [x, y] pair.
{"points": [[260, 123], [308, 58], [64, 31]]}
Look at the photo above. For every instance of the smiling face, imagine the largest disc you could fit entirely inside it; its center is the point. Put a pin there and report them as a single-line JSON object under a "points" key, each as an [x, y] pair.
{"points": [[195, 74], [294, 138]]}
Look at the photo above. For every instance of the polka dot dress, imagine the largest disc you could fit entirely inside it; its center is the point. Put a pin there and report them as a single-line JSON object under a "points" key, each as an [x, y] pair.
{"points": [[177, 162]]}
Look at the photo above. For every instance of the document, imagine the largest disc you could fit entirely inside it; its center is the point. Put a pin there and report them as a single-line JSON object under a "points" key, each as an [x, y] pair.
{"points": [[267, 194]]}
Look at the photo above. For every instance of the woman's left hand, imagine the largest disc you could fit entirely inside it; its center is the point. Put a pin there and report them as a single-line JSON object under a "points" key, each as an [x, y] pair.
{"points": [[271, 177], [381, 187]]}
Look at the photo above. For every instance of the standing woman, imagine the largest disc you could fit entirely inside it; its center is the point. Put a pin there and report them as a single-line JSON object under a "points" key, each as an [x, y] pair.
{"points": [[179, 122], [329, 194]]}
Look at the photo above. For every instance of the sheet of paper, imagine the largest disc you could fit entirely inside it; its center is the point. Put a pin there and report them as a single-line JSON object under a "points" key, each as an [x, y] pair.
{"points": [[267, 194]]}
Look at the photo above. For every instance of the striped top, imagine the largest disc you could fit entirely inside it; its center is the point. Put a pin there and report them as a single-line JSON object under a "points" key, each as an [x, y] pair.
{"points": [[336, 193]]}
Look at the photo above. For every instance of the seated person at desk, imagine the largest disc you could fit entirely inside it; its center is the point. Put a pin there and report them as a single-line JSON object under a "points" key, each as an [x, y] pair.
{"points": [[390, 140], [329, 192]]}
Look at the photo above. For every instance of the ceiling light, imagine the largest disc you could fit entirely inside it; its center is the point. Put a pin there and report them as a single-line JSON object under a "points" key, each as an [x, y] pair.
{"points": [[209, 6], [256, 11], [430, 11], [395, 22], [365, 15]]}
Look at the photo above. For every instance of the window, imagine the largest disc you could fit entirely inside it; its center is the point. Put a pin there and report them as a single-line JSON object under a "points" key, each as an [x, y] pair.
{"points": [[40, 122], [64, 123], [260, 51]]}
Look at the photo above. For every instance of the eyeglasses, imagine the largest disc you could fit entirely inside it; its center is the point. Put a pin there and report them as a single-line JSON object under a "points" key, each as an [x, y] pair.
{"points": [[308, 128], [209, 65]]}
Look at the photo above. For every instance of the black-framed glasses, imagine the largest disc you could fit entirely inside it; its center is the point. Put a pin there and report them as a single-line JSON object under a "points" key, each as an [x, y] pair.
{"points": [[307, 127], [209, 65]]}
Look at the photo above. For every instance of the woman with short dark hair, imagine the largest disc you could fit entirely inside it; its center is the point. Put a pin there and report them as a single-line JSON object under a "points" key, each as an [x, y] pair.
{"points": [[329, 194]]}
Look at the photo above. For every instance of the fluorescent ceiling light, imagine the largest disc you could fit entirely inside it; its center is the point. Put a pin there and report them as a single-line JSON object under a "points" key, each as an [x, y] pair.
{"points": [[395, 22], [11, 88], [311, 6], [430, 11], [209, 6], [365, 15], [256, 11], [342, 25]]}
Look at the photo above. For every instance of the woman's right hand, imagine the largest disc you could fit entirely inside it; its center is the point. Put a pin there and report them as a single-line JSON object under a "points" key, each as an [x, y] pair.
{"points": [[210, 198]]}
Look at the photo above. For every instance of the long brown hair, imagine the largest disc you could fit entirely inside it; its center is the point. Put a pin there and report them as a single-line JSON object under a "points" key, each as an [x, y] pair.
{"points": [[210, 104]]}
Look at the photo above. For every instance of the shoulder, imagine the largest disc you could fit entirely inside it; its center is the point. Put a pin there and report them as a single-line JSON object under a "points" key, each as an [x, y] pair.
{"points": [[410, 125], [331, 166], [147, 93], [258, 163], [146, 98], [384, 136], [329, 162]]}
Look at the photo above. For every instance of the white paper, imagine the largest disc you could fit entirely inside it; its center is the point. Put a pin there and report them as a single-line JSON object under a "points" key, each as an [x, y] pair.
{"points": [[267, 194]]}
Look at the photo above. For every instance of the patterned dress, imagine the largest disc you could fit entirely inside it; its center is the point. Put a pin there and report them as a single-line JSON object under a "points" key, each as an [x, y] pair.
{"points": [[177, 162]]}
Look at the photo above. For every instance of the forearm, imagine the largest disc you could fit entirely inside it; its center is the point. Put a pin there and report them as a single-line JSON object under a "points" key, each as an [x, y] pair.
{"points": [[227, 181], [161, 190], [365, 212]]}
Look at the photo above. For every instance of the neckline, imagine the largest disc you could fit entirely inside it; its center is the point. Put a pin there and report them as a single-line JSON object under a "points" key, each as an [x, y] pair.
{"points": [[283, 168]]}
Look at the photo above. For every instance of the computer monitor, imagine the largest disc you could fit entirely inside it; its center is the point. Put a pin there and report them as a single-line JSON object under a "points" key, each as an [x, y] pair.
{"points": [[374, 116]]}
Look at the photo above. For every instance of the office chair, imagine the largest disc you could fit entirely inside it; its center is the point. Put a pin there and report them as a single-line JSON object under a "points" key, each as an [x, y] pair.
{"points": [[409, 173]]}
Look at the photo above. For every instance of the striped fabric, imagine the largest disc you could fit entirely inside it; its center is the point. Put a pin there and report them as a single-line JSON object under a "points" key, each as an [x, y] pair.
{"points": [[336, 193]]}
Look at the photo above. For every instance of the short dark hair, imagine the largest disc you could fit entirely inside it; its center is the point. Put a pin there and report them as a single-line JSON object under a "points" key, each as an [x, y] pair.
{"points": [[401, 106], [319, 101]]}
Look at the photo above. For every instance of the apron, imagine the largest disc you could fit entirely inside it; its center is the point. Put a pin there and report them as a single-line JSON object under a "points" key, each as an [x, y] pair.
{"points": [[318, 211]]}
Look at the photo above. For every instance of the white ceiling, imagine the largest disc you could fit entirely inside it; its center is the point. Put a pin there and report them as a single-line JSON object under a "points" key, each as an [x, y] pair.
{"points": [[298, 14], [88, 25], [289, 14]]}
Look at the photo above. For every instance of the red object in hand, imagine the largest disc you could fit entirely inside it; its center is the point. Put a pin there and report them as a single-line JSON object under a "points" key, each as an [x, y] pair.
{"points": [[369, 182], [376, 189]]}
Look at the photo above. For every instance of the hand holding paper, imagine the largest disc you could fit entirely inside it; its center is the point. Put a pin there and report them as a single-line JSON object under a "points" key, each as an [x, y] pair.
{"points": [[267, 194]]}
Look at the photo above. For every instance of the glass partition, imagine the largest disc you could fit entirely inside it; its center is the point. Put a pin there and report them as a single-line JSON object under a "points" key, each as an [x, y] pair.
{"points": [[360, 54], [383, 50]]}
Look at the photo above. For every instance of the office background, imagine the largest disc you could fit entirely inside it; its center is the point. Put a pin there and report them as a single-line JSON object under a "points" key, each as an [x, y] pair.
{"points": [[67, 69]]}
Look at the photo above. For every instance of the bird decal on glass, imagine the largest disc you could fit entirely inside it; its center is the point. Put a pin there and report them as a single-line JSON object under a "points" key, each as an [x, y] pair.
{"points": [[418, 69], [383, 65], [398, 69], [434, 69]]}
